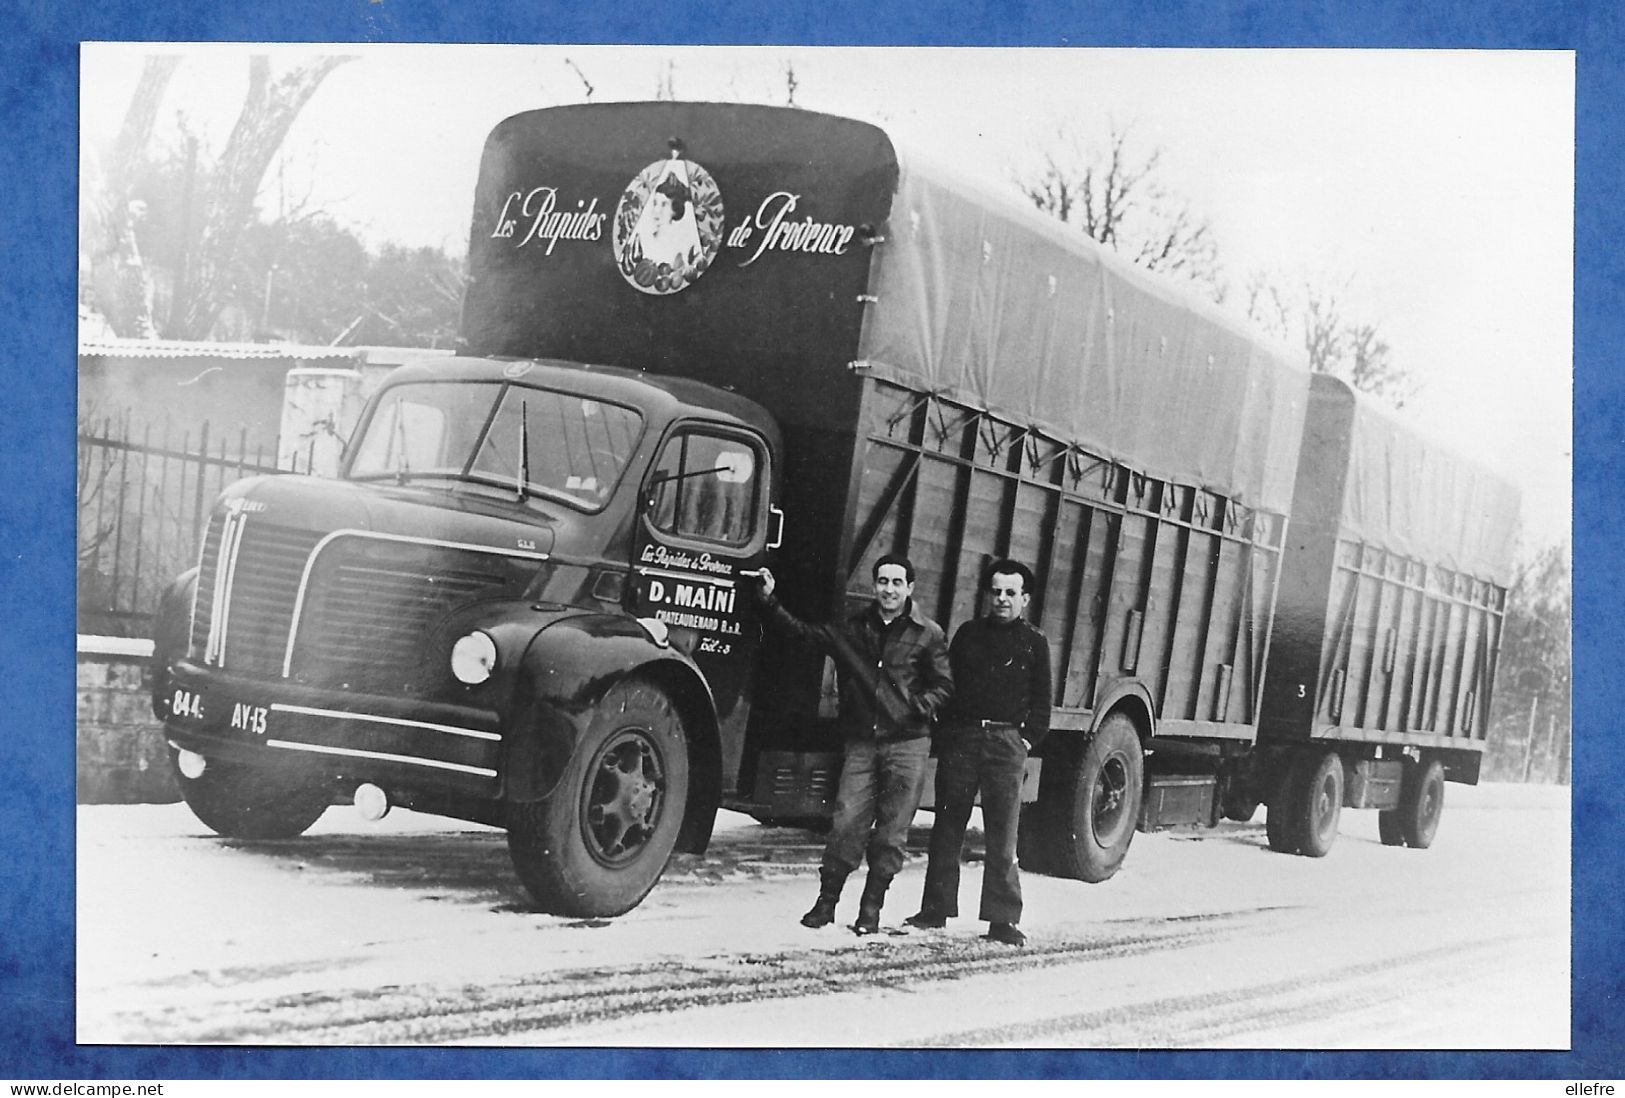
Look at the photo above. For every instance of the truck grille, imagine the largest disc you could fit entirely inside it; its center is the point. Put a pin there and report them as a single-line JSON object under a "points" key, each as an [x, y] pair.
{"points": [[368, 606]]}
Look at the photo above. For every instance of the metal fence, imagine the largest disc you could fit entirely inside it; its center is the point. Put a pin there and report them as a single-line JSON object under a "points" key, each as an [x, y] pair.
{"points": [[143, 499]]}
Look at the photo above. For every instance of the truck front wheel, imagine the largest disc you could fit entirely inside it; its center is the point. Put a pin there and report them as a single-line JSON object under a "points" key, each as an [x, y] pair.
{"points": [[241, 803], [1421, 803], [596, 846], [1091, 818]]}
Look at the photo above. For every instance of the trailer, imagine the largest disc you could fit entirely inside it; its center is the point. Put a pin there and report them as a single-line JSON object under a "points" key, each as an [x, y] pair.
{"points": [[702, 338], [1388, 628]]}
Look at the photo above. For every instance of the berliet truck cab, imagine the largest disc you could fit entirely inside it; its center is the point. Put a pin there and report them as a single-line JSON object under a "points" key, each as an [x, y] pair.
{"points": [[511, 545], [694, 330]]}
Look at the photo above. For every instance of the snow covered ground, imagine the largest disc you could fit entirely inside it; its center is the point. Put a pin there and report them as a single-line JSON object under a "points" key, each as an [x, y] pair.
{"points": [[413, 930]]}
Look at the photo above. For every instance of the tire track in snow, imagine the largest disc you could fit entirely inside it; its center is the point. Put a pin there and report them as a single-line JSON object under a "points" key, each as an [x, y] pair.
{"points": [[1190, 1021], [583, 997]]}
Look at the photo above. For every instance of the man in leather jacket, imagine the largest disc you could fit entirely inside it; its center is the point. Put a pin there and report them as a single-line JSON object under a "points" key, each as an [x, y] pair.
{"points": [[894, 676]]}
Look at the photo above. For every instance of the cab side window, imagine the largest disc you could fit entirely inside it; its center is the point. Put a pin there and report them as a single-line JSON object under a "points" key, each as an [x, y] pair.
{"points": [[706, 487]]}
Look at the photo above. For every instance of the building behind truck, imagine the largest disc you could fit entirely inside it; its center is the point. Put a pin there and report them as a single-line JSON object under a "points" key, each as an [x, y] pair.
{"points": [[694, 332]]}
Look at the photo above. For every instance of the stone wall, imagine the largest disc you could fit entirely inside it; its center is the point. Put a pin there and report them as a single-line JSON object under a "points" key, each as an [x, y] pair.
{"points": [[122, 757]]}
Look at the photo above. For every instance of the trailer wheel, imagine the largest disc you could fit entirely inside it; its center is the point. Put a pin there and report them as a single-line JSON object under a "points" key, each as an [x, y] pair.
{"points": [[242, 803], [1319, 806], [1421, 802], [596, 846], [1093, 816]]}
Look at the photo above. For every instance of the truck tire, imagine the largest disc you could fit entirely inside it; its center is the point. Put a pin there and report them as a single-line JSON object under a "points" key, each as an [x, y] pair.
{"points": [[1034, 839], [1237, 802], [241, 803], [1092, 818], [1421, 802], [1318, 805], [1283, 837], [598, 843]]}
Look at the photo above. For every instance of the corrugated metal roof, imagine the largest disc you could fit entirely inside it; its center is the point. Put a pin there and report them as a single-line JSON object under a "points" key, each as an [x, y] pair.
{"points": [[169, 348]]}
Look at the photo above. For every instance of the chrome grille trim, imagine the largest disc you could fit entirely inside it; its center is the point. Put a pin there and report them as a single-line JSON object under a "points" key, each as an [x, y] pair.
{"points": [[315, 554], [484, 772], [400, 722], [225, 573]]}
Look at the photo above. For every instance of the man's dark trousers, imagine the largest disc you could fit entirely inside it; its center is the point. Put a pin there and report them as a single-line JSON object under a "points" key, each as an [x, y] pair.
{"points": [[880, 786], [991, 759]]}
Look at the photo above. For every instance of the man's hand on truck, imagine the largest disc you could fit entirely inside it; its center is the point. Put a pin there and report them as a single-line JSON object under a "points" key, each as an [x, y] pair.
{"points": [[765, 578]]}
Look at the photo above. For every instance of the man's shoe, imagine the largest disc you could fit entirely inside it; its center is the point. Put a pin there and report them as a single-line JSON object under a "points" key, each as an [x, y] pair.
{"points": [[868, 921], [822, 912], [830, 883], [874, 895], [1008, 933], [927, 920]]}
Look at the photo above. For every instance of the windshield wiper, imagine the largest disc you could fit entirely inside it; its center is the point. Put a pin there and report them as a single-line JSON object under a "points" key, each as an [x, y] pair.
{"points": [[524, 450], [402, 466]]}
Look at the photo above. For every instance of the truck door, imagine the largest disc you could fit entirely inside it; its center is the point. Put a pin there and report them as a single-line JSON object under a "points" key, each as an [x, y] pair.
{"points": [[702, 533]]}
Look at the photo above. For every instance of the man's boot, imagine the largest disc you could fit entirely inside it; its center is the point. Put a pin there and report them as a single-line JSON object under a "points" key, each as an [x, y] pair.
{"points": [[829, 894], [874, 894]]}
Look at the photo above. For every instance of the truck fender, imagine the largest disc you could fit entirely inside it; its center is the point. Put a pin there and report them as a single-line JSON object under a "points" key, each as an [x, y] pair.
{"points": [[566, 670], [171, 632], [1132, 698]]}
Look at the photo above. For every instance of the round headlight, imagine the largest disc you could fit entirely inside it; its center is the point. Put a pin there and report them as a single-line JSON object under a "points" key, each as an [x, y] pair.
{"points": [[473, 658]]}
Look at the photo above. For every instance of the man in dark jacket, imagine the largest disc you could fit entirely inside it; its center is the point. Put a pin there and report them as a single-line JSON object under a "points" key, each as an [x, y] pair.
{"points": [[1000, 711], [893, 668]]}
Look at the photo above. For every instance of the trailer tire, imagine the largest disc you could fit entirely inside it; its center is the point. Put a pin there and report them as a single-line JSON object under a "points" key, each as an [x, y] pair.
{"points": [[599, 842], [1318, 806], [1097, 807], [243, 803], [1421, 803]]}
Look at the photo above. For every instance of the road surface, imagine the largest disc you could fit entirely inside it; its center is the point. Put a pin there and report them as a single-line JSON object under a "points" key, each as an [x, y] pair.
{"points": [[413, 931]]}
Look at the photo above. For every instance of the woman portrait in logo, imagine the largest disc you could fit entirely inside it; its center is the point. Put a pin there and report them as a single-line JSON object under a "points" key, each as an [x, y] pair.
{"points": [[668, 226]]}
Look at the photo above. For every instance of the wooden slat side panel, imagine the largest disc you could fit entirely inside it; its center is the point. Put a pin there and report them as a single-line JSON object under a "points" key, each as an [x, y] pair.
{"points": [[1225, 607], [1191, 627], [1363, 652]]}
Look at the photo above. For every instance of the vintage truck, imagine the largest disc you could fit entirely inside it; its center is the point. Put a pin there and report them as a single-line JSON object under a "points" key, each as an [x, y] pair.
{"points": [[699, 337]]}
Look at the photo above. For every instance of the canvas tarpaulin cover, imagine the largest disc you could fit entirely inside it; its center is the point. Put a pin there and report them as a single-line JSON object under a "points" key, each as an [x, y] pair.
{"points": [[992, 304], [1404, 493]]}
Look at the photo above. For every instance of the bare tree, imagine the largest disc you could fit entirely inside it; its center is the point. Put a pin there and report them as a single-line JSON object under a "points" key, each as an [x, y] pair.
{"points": [[268, 113], [1116, 197], [119, 283], [1529, 739], [1333, 342]]}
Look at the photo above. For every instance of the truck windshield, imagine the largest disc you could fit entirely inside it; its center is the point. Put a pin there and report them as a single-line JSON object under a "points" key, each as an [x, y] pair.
{"points": [[532, 441]]}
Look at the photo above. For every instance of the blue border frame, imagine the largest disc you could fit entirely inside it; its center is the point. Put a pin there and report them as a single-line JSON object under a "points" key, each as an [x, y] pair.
{"points": [[39, 81]]}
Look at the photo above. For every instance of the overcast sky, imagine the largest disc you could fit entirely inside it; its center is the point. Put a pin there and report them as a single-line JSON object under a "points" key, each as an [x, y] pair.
{"points": [[1441, 183]]}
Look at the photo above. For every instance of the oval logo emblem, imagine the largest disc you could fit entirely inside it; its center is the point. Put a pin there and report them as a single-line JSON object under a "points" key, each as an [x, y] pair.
{"points": [[668, 226]]}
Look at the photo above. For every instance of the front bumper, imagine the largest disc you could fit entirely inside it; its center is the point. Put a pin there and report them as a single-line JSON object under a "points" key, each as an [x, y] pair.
{"points": [[333, 736]]}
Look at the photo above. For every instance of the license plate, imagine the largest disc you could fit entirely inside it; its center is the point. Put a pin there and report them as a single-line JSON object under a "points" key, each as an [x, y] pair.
{"points": [[192, 706]]}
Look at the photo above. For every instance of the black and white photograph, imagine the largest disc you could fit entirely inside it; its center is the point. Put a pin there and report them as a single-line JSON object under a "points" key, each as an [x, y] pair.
{"points": [[800, 547]]}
